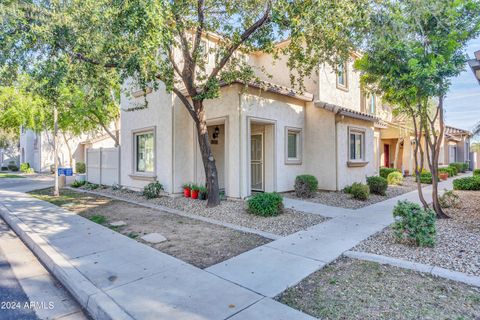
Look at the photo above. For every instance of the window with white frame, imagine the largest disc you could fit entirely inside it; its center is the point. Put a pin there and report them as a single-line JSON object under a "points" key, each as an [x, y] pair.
{"points": [[372, 103], [356, 145], [144, 152], [293, 142], [342, 81]]}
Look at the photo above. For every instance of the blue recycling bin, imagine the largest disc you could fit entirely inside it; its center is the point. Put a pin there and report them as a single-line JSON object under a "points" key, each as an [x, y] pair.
{"points": [[68, 172]]}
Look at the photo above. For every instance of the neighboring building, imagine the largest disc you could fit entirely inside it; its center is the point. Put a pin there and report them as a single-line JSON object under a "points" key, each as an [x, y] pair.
{"points": [[456, 146], [266, 134], [36, 148], [475, 65]]}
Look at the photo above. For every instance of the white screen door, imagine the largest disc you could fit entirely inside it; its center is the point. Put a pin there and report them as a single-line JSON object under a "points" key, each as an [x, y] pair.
{"points": [[256, 161]]}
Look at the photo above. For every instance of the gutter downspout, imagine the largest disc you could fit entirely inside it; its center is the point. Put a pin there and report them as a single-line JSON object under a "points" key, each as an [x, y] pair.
{"points": [[240, 180], [336, 147]]}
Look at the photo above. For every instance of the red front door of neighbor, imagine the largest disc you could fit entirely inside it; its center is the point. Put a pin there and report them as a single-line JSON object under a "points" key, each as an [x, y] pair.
{"points": [[386, 153]]}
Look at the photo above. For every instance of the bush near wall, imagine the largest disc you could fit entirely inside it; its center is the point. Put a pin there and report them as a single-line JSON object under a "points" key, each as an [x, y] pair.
{"points": [[24, 166], [152, 190], [384, 172], [265, 204], [460, 166], [413, 224], [358, 191], [467, 183], [476, 172], [450, 170], [305, 186], [395, 178], [377, 185]]}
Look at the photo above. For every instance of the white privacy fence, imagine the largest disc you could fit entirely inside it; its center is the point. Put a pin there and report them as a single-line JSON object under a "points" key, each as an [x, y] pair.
{"points": [[103, 166]]}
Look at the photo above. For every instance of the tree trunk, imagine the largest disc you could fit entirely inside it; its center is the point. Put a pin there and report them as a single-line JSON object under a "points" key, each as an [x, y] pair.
{"points": [[56, 191], [418, 167], [70, 154], [435, 152], [209, 165]]}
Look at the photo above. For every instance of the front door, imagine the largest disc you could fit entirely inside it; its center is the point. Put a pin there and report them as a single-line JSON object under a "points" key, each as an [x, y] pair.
{"points": [[386, 155], [256, 162]]}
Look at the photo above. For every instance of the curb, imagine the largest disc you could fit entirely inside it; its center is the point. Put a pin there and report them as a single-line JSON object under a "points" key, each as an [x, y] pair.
{"points": [[415, 266], [264, 234], [98, 304]]}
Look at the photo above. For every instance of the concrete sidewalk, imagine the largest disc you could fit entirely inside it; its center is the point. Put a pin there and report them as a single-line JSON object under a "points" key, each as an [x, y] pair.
{"points": [[115, 277], [272, 268]]}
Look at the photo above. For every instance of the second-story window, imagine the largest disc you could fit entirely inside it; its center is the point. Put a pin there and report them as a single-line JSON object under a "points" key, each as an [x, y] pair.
{"points": [[342, 80]]}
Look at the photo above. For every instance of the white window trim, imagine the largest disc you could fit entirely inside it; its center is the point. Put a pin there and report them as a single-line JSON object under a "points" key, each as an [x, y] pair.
{"points": [[363, 132], [340, 86], [298, 132], [144, 175]]}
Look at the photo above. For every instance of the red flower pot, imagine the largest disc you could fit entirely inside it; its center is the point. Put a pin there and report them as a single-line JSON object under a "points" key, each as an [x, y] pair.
{"points": [[194, 194], [186, 192], [443, 175]]}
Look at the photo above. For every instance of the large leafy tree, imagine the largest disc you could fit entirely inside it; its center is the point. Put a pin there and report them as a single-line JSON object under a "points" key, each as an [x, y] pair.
{"points": [[415, 47], [153, 42]]}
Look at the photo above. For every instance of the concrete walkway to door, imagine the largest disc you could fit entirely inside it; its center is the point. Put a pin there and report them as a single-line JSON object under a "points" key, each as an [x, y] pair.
{"points": [[272, 268]]}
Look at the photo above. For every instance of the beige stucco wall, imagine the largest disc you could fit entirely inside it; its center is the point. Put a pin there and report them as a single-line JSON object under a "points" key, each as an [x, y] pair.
{"points": [[348, 175], [328, 91], [158, 116], [320, 146]]}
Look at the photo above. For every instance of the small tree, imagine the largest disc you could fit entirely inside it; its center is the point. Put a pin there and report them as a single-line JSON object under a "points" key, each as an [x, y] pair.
{"points": [[414, 50]]}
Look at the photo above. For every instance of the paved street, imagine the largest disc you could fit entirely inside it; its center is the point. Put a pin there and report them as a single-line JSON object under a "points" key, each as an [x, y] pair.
{"points": [[12, 296]]}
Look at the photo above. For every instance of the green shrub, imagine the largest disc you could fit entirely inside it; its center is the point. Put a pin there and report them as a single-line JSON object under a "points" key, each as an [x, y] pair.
{"points": [[12, 166], [449, 199], [426, 177], [377, 185], [450, 170], [305, 186], [80, 167], [413, 224], [265, 204], [395, 178], [348, 189], [454, 169], [384, 172], [4, 168], [458, 165], [77, 184], [24, 166], [91, 186], [152, 190], [476, 172], [467, 183], [359, 191]]}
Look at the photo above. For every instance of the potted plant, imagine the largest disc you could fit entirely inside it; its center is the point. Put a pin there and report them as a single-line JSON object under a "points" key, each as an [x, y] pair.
{"points": [[203, 193], [194, 192], [443, 175], [186, 190]]}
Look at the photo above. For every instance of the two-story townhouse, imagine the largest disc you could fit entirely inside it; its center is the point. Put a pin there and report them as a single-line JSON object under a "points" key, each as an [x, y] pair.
{"points": [[263, 135]]}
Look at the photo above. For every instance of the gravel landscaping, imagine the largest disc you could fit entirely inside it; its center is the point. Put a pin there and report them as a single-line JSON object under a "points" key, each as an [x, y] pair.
{"points": [[196, 242], [353, 289], [457, 241], [345, 200], [230, 211]]}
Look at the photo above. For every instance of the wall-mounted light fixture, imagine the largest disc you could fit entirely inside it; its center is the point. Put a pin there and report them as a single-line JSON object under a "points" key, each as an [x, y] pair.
{"points": [[216, 133]]}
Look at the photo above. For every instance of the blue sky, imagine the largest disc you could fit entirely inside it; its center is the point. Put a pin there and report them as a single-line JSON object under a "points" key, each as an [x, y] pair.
{"points": [[462, 103]]}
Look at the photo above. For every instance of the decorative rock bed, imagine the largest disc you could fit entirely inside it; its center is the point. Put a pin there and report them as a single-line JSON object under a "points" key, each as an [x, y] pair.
{"points": [[345, 200], [229, 211]]}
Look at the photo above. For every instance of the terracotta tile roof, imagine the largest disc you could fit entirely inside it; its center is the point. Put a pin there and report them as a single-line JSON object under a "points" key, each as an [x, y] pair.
{"points": [[347, 112], [452, 131]]}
